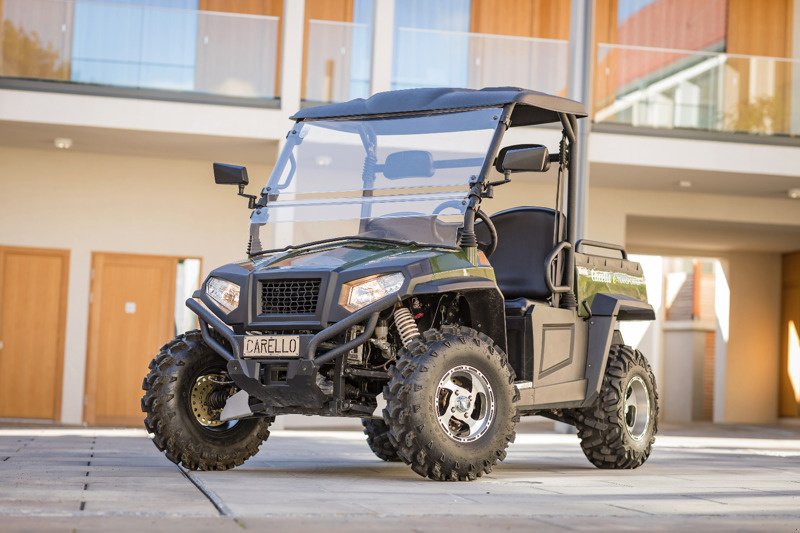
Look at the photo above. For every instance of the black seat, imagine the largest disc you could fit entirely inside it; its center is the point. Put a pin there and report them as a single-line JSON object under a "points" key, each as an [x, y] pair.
{"points": [[525, 237]]}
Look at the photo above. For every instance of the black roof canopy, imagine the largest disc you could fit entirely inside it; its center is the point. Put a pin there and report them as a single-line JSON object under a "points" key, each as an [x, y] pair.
{"points": [[532, 107]]}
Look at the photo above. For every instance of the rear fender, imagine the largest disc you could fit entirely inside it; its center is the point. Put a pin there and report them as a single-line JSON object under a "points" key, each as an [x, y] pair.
{"points": [[606, 310]]}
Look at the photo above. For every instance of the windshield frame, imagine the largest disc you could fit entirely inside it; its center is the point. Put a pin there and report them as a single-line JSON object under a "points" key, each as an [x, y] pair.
{"points": [[473, 194], [278, 181]]}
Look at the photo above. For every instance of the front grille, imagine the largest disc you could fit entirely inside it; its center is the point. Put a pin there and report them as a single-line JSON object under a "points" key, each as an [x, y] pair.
{"points": [[289, 296]]}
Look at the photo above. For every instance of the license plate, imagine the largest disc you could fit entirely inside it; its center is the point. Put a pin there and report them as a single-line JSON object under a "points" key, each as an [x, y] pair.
{"points": [[272, 346]]}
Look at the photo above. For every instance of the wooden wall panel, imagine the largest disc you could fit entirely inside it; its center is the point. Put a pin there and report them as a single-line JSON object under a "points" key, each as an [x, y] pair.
{"points": [[756, 27], [272, 8], [788, 396], [333, 10], [247, 7], [605, 31], [547, 19]]}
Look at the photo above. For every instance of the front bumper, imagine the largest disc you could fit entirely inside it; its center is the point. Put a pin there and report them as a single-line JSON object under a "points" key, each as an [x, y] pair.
{"points": [[296, 385]]}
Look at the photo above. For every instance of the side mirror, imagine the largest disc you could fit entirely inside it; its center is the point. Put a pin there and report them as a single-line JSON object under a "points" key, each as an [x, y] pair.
{"points": [[523, 158], [234, 175], [230, 174]]}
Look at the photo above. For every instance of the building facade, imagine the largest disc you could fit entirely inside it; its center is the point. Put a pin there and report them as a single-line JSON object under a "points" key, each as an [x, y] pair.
{"points": [[111, 113]]}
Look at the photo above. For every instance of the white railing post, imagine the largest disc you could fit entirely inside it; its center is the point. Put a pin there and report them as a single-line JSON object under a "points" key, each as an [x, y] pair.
{"points": [[292, 27], [382, 46]]}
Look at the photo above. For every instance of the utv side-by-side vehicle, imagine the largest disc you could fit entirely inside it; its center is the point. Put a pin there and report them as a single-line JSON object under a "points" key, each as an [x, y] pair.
{"points": [[376, 287]]}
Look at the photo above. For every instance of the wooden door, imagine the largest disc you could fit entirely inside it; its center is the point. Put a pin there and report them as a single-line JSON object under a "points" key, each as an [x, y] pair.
{"points": [[131, 317], [33, 304]]}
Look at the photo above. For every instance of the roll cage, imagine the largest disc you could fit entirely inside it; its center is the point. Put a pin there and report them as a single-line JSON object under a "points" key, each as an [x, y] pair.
{"points": [[519, 108]]}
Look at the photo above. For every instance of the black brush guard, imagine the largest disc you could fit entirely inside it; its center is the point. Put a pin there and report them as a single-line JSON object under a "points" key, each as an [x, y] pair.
{"points": [[297, 389]]}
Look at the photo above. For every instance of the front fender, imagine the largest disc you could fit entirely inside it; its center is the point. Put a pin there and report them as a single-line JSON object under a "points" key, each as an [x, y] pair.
{"points": [[486, 304]]}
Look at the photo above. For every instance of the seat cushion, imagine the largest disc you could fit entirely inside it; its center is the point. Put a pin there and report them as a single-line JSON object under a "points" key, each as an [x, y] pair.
{"points": [[525, 237]]}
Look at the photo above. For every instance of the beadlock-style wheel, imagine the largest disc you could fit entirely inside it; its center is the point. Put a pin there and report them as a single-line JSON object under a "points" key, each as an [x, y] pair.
{"points": [[465, 403], [450, 404], [208, 398], [619, 429], [184, 394], [637, 408]]}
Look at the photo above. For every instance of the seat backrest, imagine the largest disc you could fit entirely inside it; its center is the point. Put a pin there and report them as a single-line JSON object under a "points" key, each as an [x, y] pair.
{"points": [[524, 240]]}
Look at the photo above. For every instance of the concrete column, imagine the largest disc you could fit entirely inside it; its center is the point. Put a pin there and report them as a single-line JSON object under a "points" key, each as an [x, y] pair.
{"points": [[293, 26], [78, 299], [382, 46], [722, 305], [753, 348], [579, 84]]}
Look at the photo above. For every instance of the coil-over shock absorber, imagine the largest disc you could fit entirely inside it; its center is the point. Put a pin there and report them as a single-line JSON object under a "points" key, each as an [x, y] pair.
{"points": [[406, 325]]}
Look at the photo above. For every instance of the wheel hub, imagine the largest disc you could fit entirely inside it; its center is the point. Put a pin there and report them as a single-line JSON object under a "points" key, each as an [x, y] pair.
{"points": [[207, 398], [637, 408], [465, 403]]}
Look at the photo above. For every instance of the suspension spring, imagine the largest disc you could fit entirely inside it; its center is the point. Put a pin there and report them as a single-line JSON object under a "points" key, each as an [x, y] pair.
{"points": [[406, 326]]}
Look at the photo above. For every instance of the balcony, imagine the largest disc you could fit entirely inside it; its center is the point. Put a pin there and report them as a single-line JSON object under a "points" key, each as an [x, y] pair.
{"points": [[434, 58], [113, 48], [681, 89], [337, 61], [91, 44]]}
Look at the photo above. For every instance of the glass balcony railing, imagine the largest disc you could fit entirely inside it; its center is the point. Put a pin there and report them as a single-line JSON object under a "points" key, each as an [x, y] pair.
{"points": [[338, 61], [434, 58], [714, 91], [140, 46]]}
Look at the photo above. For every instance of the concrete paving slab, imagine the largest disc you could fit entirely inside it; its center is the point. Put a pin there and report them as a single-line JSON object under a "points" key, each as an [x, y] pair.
{"points": [[728, 478]]}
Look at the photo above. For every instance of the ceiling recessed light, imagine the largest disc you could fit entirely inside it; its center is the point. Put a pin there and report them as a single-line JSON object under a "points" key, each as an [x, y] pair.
{"points": [[794, 193], [62, 143], [684, 184]]}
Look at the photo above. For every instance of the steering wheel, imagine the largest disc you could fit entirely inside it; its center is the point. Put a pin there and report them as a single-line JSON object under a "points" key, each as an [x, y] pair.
{"points": [[487, 248]]}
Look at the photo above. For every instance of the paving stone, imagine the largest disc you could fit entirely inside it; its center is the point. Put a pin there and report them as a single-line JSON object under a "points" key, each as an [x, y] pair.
{"points": [[703, 478]]}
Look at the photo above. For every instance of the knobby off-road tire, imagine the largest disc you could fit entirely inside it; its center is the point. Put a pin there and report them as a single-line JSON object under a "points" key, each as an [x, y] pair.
{"points": [[377, 433], [612, 434], [167, 404], [415, 398]]}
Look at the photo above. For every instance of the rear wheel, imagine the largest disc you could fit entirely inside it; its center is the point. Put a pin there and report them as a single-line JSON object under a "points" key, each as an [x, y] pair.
{"points": [[377, 433], [450, 404], [619, 430], [184, 393]]}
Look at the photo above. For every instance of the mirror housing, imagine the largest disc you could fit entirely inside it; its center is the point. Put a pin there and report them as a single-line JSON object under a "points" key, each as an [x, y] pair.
{"points": [[523, 158], [230, 174], [234, 175]]}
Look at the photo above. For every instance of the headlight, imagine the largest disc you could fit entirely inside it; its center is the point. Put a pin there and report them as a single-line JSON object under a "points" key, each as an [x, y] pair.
{"points": [[224, 293], [362, 292]]}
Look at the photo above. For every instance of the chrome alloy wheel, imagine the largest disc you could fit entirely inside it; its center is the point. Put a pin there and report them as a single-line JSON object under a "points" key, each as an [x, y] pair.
{"points": [[637, 408], [465, 404]]}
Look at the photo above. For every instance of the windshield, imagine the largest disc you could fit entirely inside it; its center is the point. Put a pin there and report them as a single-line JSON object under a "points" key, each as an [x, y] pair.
{"points": [[399, 179]]}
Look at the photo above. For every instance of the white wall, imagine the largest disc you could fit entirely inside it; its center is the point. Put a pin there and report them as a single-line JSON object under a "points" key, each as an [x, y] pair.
{"points": [[89, 202]]}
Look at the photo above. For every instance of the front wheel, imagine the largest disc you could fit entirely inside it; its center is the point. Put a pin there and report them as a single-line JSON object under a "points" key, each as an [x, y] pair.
{"points": [[619, 430], [184, 394], [450, 404]]}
